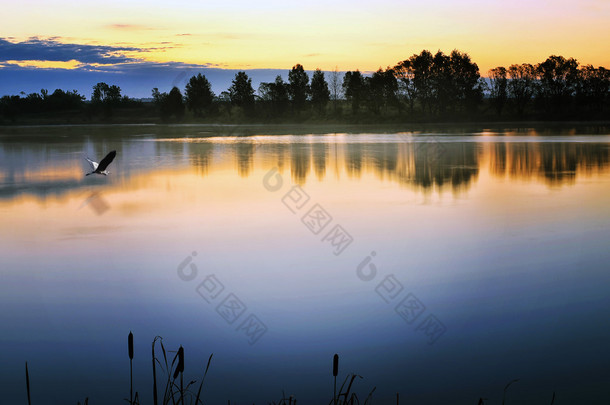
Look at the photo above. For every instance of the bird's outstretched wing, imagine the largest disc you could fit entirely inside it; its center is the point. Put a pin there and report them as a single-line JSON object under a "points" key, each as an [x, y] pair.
{"points": [[92, 164], [106, 161]]}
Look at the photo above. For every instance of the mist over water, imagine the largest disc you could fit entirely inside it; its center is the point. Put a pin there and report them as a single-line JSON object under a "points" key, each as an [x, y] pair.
{"points": [[440, 264]]}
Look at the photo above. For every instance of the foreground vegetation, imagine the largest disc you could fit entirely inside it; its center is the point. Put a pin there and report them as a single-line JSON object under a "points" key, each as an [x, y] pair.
{"points": [[422, 88], [176, 393]]}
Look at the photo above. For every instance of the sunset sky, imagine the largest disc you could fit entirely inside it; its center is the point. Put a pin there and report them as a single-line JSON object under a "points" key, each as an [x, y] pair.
{"points": [[66, 42]]}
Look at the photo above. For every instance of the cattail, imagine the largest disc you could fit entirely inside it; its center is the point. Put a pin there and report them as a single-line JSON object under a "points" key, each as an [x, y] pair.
{"points": [[335, 372], [130, 352], [130, 345], [335, 365]]}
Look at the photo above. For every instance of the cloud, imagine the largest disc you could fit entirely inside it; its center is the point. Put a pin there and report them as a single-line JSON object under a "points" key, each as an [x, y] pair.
{"points": [[48, 63], [53, 50], [130, 27]]}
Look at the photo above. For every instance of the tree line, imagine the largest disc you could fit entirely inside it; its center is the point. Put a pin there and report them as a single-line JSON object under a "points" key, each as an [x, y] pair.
{"points": [[423, 87]]}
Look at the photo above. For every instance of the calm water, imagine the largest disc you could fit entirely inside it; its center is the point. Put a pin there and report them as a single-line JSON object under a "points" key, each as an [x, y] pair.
{"points": [[439, 264]]}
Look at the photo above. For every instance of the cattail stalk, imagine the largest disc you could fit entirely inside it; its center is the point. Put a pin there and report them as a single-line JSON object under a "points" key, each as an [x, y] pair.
{"points": [[335, 372], [130, 352]]}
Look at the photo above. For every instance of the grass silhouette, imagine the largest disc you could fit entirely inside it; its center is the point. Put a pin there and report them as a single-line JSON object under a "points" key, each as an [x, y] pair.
{"points": [[176, 393]]}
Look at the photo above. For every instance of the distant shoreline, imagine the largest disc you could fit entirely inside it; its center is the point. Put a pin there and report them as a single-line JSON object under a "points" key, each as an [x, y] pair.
{"points": [[319, 127]]}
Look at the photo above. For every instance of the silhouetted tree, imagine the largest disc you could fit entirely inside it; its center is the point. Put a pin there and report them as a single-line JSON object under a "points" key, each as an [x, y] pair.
{"points": [[593, 88], [521, 85], [557, 77], [103, 93], [421, 66], [374, 91], [320, 95], [465, 76], [405, 74], [498, 88], [354, 89], [170, 104], [298, 87], [241, 92], [106, 97], [275, 94], [389, 85], [199, 95], [175, 104], [335, 88], [443, 85]]}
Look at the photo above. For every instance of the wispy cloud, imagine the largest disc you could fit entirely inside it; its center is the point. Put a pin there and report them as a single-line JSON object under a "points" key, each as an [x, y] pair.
{"points": [[50, 49], [130, 27]]}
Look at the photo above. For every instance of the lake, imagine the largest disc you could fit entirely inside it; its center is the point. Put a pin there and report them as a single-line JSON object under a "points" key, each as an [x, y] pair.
{"points": [[440, 263]]}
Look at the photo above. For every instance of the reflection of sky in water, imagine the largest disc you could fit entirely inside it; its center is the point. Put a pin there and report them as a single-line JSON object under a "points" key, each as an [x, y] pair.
{"points": [[502, 238]]}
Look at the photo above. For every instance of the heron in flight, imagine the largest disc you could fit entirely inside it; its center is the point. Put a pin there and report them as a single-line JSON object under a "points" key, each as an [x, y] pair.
{"points": [[100, 168]]}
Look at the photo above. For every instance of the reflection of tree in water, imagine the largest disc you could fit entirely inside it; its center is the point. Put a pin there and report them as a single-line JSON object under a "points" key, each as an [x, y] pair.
{"points": [[320, 151], [277, 154], [424, 164], [300, 159], [458, 165], [201, 156], [353, 159], [244, 155], [557, 163], [384, 158]]}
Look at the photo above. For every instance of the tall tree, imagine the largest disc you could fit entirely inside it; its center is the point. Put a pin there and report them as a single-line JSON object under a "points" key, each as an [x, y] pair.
{"points": [[443, 85], [199, 95], [405, 74], [320, 95], [465, 76], [275, 94], [107, 97], [521, 85], [593, 88], [298, 87], [175, 103], [374, 91], [103, 93], [423, 78], [170, 104], [558, 77], [498, 88], [354, 89], [335, 88], [241, 91]]}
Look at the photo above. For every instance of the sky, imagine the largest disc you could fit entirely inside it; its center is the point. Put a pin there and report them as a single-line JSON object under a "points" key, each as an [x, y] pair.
{"points": [[144, 44]]}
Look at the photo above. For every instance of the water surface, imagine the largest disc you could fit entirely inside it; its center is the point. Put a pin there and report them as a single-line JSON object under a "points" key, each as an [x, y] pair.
{"points": [[440, 263]]}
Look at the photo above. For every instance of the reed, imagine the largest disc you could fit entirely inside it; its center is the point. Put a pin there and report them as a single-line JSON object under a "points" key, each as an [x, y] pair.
{"points": [[27, 382], [130, 352], [201, 384], [505, 388], [180, 371], [154, 371]]}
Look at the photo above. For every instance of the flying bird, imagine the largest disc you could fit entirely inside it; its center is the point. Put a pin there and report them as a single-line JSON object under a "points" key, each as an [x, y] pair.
{"points": [[101, 167]]}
